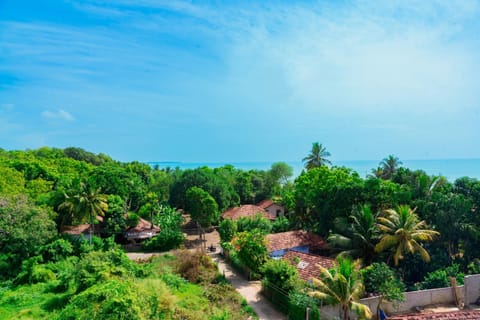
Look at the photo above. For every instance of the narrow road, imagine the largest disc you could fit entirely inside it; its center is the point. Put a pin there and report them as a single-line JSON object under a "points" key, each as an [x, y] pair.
{"points": [[250, 290]]}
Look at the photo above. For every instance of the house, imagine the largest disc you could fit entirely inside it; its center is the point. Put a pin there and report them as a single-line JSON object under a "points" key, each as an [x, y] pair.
{"points": [[143, 230], [83, 229], [272, 208], [299, 240], [247, 210], [307, 264]]}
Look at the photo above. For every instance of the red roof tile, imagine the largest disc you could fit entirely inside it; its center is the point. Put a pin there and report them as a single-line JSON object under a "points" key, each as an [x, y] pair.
{"points": [[292, 239], [457, 315], [307, 265], [264, 204], [248, 210]]}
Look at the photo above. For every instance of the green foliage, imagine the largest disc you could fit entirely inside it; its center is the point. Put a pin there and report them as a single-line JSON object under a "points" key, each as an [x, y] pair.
{"points": [[251, 249], [298, 304], [380, 279], [57, 250], [441, 278], [171, 235], [281, 274], [323, 194], [115, 221], [24, 228], [258, 222], [202, 206], [227, 230], [281, 224], [317, 157], [196, 267]]}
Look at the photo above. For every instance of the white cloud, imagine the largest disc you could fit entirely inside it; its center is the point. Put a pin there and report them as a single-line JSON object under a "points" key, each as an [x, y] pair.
{"points": [[58, 115]]}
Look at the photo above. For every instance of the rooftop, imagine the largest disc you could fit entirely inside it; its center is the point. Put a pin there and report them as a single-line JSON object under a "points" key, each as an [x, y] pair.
{"points": [[292, 239], [247, 210], [307, 264]]}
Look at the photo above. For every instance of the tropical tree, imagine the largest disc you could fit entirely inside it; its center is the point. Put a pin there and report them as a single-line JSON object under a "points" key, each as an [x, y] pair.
{"points": [[404, 233], [356, 235], [342, 286], [202, 207], [317, 157], [389, 166], [86, 202]]}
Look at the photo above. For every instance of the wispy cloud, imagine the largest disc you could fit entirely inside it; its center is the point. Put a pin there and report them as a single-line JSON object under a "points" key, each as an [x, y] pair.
{"points": [[59, 114]]}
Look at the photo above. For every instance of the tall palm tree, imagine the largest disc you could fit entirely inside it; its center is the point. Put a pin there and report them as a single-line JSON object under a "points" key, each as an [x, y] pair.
{"points": [[404, 233], [317, 157], [357, 235], [342, 286], [86, 203], [389, 166]]}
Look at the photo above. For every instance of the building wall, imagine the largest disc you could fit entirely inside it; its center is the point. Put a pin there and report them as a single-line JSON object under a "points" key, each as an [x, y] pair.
{"points": [[468, 293], [273, 210]]}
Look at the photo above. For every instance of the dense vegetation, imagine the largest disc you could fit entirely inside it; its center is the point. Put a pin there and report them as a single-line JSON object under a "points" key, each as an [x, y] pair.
{"points": [[43, 190]]}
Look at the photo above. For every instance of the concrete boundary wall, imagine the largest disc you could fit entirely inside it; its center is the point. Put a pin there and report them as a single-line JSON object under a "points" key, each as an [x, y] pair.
{"points": [[468, 294]]}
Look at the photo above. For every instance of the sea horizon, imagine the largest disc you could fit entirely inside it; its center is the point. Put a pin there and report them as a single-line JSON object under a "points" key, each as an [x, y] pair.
{"points": [[451, 169]]}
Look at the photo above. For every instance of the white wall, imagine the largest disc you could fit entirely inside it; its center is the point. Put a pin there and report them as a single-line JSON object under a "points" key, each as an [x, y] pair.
{"points": [[468, 293]]}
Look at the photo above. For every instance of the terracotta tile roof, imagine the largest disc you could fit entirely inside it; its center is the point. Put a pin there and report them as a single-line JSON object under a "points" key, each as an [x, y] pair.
{"points": [[143, 230], [457, 315], [144, 225], [247, 210], [264, 204], [292, 239], [307, 266], [80, 229]]}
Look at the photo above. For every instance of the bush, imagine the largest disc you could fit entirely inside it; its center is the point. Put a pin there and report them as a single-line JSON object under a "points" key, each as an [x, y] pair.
{"points": [[166, 240], [259, 222], [441, 278], [196, 267], [57, 250], [281, 274], [298, 304], [227, 230], [379, 278], [281, 224]]}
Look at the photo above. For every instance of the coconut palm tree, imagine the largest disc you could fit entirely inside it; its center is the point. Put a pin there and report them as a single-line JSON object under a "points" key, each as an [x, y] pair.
{"points": [[404, 233], [389, 166], [357, 235], [317, 157], [86, 203], [342, 286]]}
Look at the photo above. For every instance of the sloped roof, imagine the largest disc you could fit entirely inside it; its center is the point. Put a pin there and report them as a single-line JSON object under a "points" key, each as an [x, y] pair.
{"points": [[292, 239], [144, 225], [264, 204], [307, 265], [247, 210], [457, 315], [82, 228]]}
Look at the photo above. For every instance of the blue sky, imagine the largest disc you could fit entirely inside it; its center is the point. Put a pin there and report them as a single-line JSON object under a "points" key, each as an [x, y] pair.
{"points": [[236, 81]]}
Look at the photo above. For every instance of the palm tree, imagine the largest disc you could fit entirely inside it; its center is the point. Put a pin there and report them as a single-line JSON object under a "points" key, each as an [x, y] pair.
{"points": [[389, 166], [356, 235], [317, 157], [404, 233], [342, 286], [86, 203]]}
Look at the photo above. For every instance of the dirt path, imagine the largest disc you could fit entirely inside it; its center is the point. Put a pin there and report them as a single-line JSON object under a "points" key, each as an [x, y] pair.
{"points": [[250, 290]]}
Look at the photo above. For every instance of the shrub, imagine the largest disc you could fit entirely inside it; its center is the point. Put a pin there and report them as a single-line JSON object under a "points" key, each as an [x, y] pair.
{"points": [[298, 304], [258, 222], [251, 249], [281, 274], [57, 250], [196, 267], [166, 240], [441, 278], [281, 224], [227, 230]]}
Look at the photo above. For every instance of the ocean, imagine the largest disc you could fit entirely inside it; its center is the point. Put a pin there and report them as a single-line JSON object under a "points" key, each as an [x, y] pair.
{"points": [[449, 168]]}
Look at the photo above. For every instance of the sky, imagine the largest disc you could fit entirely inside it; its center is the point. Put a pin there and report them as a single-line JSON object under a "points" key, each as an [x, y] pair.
{"points": [[238, 81]]}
